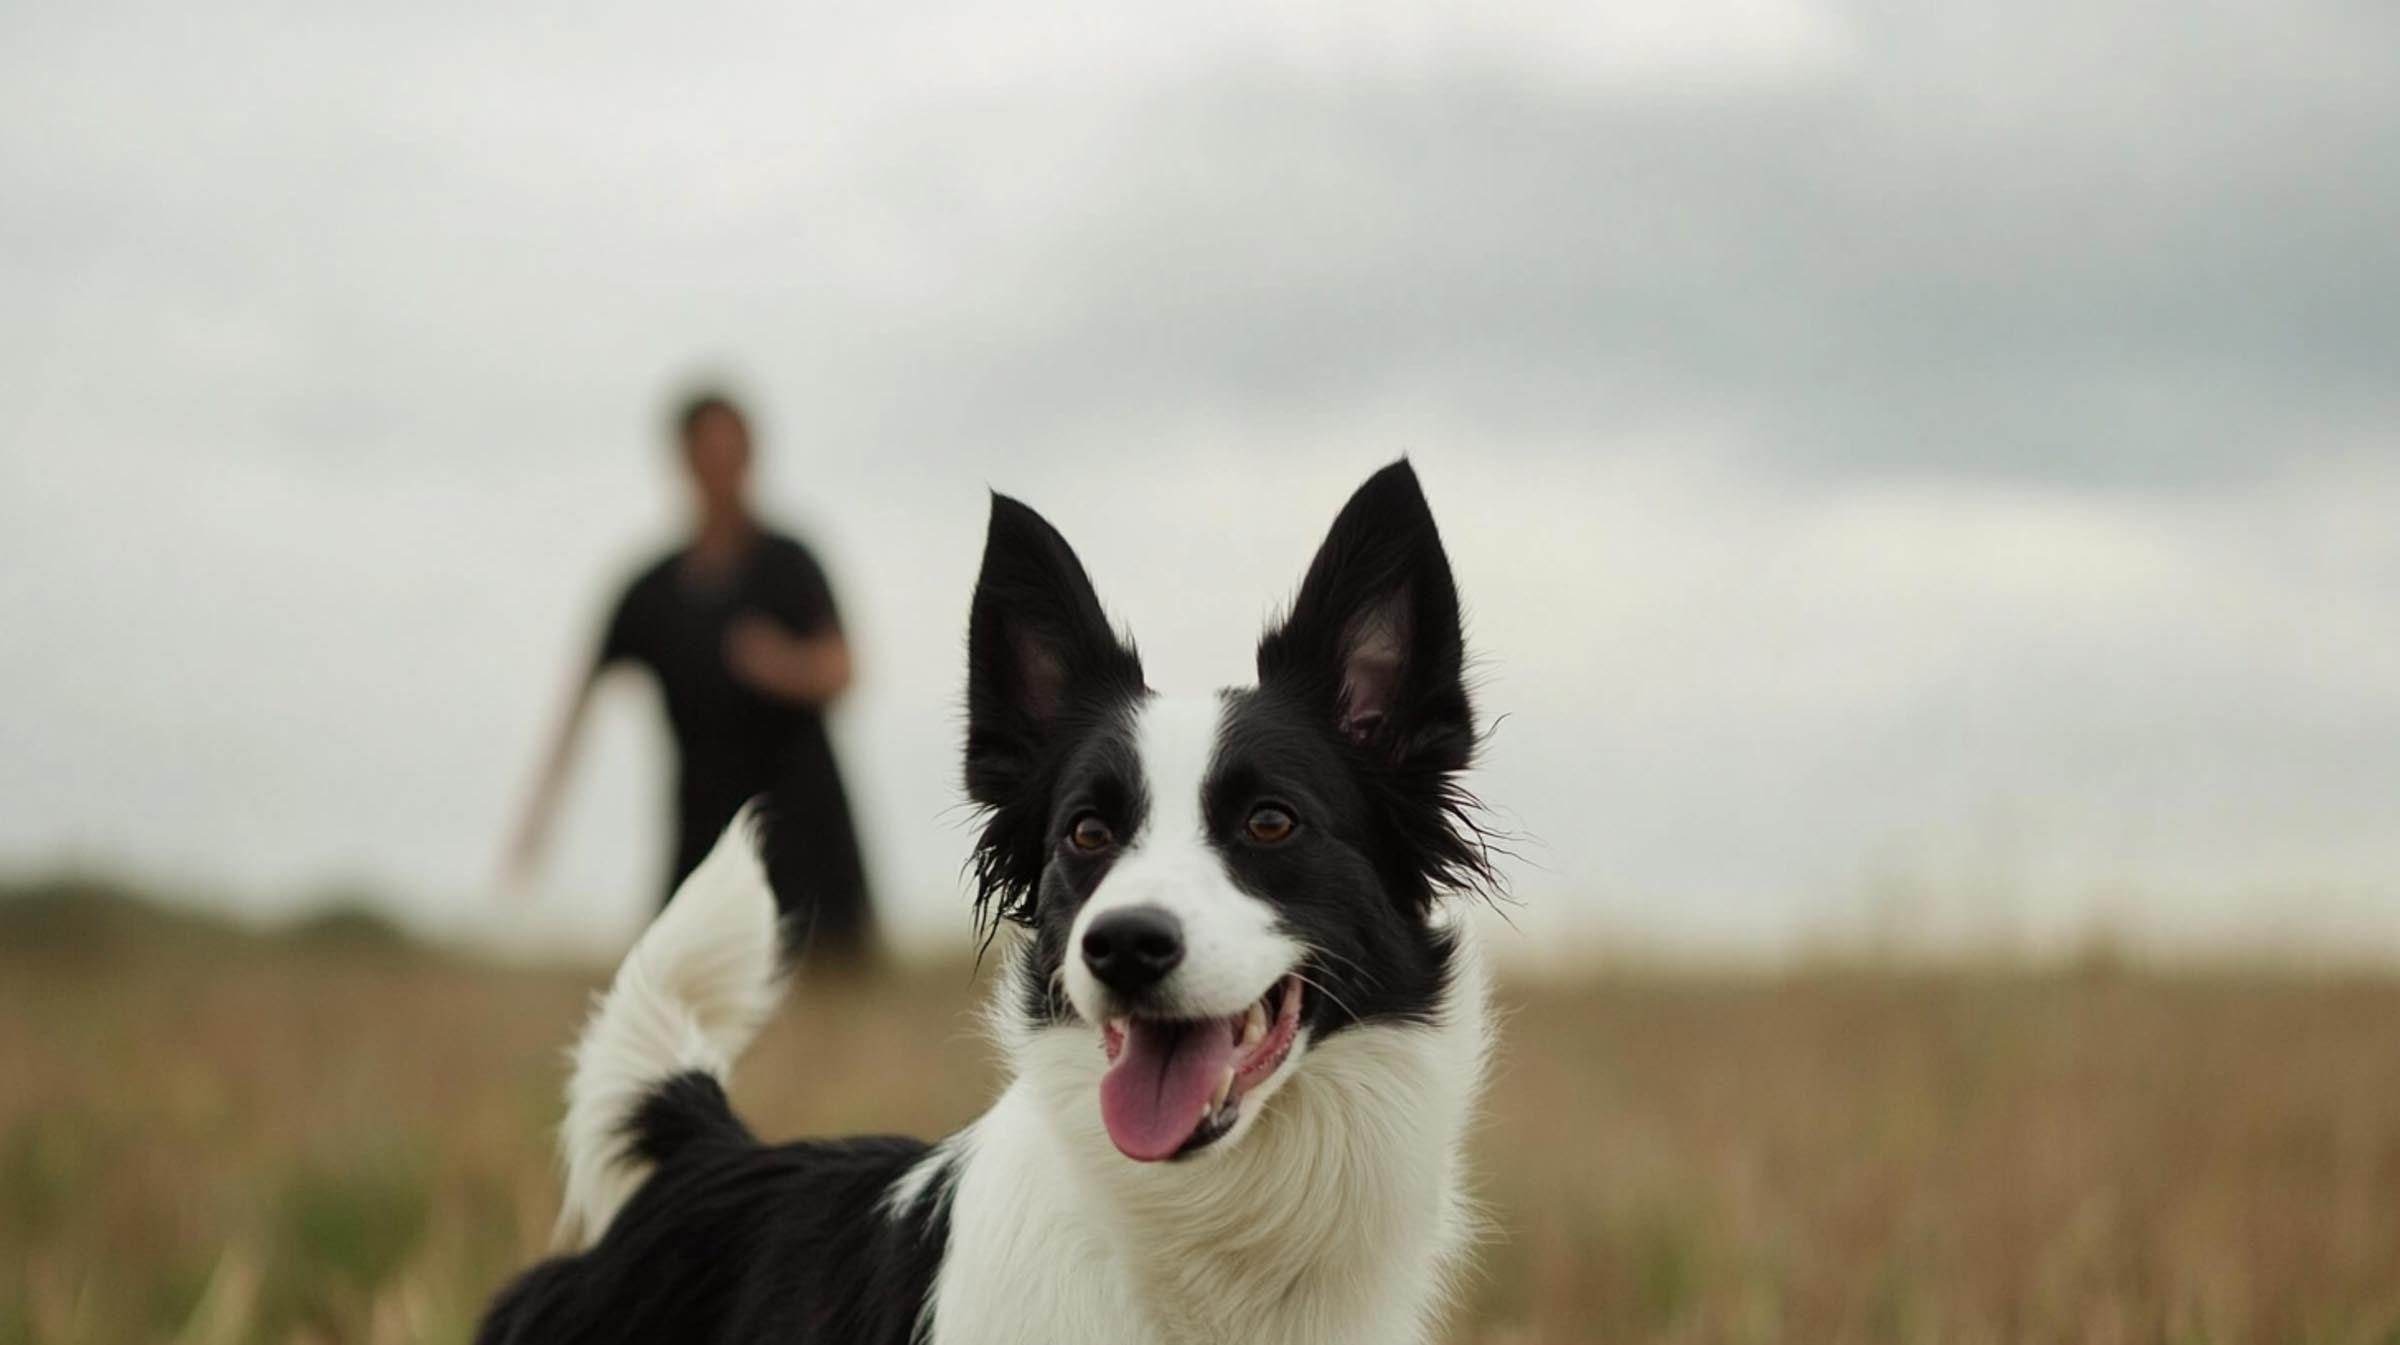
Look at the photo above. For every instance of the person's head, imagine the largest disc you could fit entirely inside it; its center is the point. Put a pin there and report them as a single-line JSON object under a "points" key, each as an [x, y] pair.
{"points": [[714, 437]]}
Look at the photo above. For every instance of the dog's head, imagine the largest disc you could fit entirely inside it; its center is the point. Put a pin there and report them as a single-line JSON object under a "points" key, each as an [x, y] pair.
{"points": [[1215, 885]]}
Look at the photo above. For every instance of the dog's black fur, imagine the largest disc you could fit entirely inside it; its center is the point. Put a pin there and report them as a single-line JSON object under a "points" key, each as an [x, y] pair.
{"points": [[732, 1240]]}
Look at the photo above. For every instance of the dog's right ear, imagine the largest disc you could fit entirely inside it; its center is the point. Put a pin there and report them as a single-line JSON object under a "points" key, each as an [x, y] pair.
{"points": [[1374, 641], [1040, 652]]}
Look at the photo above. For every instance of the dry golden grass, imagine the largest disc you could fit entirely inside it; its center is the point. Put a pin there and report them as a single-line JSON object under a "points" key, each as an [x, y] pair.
{"points": [[209, 1138]]}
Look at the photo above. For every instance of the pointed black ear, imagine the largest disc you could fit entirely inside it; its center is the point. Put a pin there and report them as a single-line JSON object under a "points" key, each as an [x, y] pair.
{"points": [[1038, 649], [1374, 639]]}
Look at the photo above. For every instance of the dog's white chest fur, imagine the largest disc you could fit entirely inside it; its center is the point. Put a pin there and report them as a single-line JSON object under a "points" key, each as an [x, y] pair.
{"points": [[1339, 1220]]}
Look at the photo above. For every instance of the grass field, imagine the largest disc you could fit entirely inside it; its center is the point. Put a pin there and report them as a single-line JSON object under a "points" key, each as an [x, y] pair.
{"points": [[330, 1135]]}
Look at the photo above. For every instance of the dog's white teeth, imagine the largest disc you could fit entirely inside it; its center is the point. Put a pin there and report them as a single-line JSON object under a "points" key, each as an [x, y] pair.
{"points": [[1254, 1026], [1224, 1091]]}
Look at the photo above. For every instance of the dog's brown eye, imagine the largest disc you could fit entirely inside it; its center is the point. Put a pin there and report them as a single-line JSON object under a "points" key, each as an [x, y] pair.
{"points": [[1269, 825], [1090, 834]]}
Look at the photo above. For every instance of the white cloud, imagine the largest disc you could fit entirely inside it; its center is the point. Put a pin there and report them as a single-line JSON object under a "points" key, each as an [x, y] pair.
{"points": [[1882, 449]]}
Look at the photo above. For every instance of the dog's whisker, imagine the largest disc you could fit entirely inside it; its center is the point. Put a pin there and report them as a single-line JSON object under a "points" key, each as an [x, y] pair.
{"points": [[1356, 968], [1337, 1000]]}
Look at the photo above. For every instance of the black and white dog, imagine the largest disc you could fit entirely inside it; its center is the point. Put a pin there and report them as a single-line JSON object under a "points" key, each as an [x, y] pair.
{"points": [[1243, 1027]]}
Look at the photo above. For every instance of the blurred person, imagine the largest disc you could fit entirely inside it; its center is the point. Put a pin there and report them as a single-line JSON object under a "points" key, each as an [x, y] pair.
{"points": [[740, 629]]}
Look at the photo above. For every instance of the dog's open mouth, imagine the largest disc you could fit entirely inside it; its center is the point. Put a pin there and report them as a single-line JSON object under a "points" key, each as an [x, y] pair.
{"points": [[1176, 1086]]}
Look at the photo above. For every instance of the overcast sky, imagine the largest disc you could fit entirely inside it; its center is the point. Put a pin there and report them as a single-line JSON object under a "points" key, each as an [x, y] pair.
{"points": [[1929, 469]]}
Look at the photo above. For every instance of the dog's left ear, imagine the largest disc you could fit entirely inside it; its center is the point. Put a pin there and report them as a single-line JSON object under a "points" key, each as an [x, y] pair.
{"points": [[1374, 641], [1039, 650]]}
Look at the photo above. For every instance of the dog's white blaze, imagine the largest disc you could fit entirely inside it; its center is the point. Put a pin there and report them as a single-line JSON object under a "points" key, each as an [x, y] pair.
{"points": [[1233, 950]]}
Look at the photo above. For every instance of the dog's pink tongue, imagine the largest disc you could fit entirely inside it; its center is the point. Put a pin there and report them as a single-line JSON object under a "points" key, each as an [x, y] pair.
{"points": [[1156, 1093]]}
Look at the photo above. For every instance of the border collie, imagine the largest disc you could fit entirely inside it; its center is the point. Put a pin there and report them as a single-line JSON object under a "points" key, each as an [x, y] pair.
{"points": [[1244, 1029]]}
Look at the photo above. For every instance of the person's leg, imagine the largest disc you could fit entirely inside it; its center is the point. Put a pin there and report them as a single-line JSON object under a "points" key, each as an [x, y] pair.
{"points": [[813, 864], [689, 850], [842, 932], [699, 821]]}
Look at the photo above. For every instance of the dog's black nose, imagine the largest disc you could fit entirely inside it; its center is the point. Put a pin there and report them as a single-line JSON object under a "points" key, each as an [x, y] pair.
{"points": [[1133, 949]]}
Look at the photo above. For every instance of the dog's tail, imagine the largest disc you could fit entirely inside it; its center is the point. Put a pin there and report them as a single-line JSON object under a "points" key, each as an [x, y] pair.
{"points": [[650, 1067]]}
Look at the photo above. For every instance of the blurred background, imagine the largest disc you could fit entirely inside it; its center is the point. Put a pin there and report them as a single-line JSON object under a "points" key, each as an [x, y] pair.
{"points": [[1924, 481]]}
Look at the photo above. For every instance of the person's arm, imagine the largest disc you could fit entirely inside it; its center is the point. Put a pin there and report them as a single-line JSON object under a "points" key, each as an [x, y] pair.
{"points": [[627, 637], [790, 647], [533, 825], [811, 670]]}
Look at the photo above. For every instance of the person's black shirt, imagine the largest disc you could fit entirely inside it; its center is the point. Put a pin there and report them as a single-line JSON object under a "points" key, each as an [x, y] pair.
{"points": [[734, 743]]}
